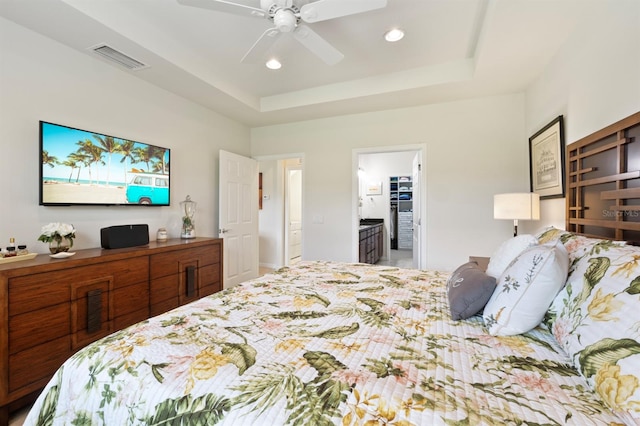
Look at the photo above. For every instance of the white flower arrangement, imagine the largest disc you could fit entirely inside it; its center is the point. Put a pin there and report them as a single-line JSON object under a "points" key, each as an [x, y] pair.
{"points": [[56, 232]]}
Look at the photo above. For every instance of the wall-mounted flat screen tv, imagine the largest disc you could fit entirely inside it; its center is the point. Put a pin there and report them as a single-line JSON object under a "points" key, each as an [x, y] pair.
{"points": [[80, 167]]}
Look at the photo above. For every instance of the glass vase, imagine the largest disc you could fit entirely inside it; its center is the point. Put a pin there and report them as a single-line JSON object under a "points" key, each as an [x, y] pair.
{"points": [[188, 228], [58, 246]]}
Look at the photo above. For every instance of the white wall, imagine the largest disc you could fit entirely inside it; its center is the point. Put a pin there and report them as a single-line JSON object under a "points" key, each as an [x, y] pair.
{"points": [[593, 82], [475, 148], [41, 79]]}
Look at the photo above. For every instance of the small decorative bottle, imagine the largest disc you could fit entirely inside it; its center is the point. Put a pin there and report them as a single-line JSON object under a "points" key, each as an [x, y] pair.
{"points": [[11, 249], [22, 250], [161, 235]]}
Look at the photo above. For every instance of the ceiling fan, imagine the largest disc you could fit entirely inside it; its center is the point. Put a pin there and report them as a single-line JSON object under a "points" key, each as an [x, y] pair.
{"points": [[289, 16]]}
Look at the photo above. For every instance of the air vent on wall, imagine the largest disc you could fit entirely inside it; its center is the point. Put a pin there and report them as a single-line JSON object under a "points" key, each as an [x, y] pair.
{"points": [[118, 57]]}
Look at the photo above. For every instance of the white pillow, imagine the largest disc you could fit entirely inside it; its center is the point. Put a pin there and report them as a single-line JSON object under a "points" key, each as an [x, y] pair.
{"points": [[507, 252], [526, 289]]}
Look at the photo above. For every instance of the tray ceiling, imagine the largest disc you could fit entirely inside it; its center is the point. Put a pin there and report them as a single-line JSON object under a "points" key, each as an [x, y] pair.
{"points": [[452, 49]]}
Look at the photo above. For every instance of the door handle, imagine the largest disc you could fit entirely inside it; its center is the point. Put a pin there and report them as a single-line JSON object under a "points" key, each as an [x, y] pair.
{"points": [[223, 230]]}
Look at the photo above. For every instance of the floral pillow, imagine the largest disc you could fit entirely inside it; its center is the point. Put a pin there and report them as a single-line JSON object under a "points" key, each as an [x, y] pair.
{"points": [[526, 289], [598, 324], [577, 246]]}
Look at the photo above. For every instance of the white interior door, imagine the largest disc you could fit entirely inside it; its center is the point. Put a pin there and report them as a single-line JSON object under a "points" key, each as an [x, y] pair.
{"points": [[417, 216], [238, 212], [294, 211], [293, 214]]}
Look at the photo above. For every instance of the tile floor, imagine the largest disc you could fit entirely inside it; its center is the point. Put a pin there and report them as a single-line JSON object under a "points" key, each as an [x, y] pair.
{"points": [[399, 258]]}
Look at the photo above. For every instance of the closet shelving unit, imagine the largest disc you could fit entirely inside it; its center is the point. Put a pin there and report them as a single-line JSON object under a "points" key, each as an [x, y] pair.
{"points": [[401, 200]]}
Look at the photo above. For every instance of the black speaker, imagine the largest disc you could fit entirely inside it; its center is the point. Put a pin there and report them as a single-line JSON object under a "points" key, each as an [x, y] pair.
{"points": [[124, 236]]}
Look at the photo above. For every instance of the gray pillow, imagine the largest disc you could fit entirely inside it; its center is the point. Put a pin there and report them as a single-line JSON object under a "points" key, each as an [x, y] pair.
{"points": [[469, 289]]}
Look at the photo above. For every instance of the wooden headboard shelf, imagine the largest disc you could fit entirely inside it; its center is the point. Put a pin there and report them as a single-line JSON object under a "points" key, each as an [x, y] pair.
{"points": [[603, 182]]}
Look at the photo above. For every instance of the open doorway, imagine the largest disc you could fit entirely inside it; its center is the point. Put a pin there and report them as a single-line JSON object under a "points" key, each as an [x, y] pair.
{"points": [[281, 216], [389, 187]]}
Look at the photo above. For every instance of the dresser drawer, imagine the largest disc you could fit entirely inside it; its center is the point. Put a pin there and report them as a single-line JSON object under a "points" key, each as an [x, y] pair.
{"points": [[169, 263], [179, 278], [37, 364], [38, 291]]}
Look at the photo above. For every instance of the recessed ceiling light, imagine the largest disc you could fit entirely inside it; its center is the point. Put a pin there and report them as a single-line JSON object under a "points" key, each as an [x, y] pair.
{"points": [[273, 64], [394, 34]]}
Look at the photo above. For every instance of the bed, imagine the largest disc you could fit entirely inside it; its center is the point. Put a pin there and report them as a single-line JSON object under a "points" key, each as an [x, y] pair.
{"points": [[321, 343], [549, 334]]}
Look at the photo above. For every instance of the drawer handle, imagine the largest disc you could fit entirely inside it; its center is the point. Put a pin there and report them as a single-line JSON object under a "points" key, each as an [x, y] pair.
{"points": [[94, 310], [191, 280]]}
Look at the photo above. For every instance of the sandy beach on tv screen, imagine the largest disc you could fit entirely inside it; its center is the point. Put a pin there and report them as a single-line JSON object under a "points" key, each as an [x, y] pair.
{"points": [[83, 193]]}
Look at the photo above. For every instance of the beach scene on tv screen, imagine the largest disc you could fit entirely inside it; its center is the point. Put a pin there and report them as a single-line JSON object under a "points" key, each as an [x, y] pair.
{"points": [[82, 167]]}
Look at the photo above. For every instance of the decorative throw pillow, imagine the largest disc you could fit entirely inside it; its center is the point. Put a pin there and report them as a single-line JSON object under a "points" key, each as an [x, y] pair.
{"points": [[469, 289], [598, 325], [526, 289], [551, 233], [507, 252], [577, 245]]}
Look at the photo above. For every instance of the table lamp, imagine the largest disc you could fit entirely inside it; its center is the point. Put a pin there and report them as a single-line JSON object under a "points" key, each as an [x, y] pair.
{"points": [[516, 206]]}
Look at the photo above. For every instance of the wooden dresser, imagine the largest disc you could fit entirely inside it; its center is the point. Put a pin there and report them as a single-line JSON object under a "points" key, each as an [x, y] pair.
{"points": [[50, 308]]}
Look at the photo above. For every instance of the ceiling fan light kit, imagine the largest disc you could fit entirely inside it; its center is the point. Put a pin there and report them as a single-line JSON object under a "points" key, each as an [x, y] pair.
{"points": [[285, 20], [286, 16]]}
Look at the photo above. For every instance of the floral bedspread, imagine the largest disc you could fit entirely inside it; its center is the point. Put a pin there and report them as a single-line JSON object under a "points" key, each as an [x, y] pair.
{"points": [[322, 343]]}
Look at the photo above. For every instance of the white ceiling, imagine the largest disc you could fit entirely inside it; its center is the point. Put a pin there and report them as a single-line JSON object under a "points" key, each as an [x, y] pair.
{"points": [[453, 49]]}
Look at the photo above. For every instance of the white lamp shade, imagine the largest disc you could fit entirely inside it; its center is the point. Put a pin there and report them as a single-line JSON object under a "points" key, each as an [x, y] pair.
{"points": [[520, 205]]}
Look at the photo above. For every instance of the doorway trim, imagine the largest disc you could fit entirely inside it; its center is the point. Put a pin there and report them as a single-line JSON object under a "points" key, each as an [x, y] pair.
{"points": [[421, 148]]}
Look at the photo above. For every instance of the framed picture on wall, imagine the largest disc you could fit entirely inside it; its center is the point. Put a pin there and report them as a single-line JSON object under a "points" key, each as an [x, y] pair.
{"points": [[546, 160], [374, 188]]}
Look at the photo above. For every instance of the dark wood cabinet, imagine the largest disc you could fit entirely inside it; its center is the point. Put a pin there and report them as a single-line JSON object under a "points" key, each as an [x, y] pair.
{"points": [[50, 308], [371, 243], [179, 278]]}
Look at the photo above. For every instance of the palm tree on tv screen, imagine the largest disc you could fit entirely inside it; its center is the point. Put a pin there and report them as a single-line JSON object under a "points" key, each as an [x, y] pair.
{"points": [[71, 164], [158, 153], [49, 160], [109, 145], [80, 159], [142, 156], [126, 149], [95, 156]]}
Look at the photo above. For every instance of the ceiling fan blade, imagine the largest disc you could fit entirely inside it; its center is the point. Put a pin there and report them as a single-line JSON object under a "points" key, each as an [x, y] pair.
{"points": [[323, 10], [317, 45], [225, 6], [260, 47]]}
